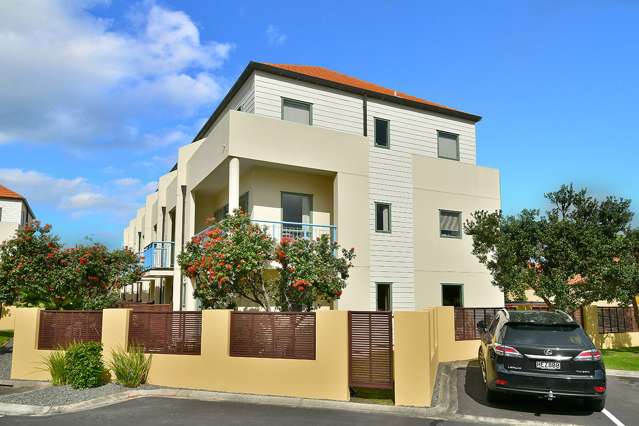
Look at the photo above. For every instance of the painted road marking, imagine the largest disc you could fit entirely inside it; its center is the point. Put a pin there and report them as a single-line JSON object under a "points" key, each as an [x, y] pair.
{"points": [[612, 417]]}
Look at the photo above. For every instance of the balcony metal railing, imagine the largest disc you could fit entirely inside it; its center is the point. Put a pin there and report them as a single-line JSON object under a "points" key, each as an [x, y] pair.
{"points": [[279, 229], [158, 255]]}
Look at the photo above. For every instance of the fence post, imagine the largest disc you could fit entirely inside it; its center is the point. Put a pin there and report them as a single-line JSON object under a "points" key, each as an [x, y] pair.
{"points": [[27, 360], [412, 359], [591, 323], [115, 331]]}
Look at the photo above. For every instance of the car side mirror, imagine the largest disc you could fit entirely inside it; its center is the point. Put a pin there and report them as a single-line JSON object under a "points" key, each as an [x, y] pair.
{"points": [[481, 326]]}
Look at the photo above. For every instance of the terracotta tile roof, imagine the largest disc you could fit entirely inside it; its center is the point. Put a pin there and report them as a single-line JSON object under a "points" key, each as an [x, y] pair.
{"points": [[7, 193], [338, 77]]}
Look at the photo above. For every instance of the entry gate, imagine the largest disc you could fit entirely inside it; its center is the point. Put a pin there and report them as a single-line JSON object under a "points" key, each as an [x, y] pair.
{"points": [[370, 341]]}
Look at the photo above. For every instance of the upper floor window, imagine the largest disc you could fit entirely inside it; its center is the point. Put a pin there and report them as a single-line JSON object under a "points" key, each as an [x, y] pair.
{"points": [[297, 111], [453, 295], [450, 224], [382, 217], [448, 145], [382, 133]]}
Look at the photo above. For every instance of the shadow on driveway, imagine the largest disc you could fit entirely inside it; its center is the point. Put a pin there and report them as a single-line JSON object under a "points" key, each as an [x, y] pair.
{"points": [[472, 401]]}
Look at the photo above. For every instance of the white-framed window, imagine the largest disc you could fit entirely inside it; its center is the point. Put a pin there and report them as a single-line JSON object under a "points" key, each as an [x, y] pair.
{"points": [[297, 111], [450, 224], [383, 217], [448, 145]]}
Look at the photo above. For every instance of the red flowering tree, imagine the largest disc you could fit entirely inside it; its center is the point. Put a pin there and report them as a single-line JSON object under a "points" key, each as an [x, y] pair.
{"points": [[237, 261], [311, 272], [36, 270], [228, 262]]}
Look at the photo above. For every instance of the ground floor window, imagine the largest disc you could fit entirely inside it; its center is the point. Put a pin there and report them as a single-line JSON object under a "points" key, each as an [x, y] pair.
{"points": [[452, 295], [384, 297]]}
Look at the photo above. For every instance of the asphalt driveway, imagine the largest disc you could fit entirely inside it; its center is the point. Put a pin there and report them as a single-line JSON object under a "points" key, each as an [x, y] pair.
{"points": [[165, 411], [622, 402]]}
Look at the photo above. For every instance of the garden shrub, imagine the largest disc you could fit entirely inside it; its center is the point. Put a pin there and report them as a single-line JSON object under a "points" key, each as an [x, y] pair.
{"points": [[55, 364], [84, 366], [131, 368]]}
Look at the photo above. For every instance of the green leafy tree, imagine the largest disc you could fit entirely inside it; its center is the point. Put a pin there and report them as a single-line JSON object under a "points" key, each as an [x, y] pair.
{"points": [[568, 256], [36, 270], [238, 261]]}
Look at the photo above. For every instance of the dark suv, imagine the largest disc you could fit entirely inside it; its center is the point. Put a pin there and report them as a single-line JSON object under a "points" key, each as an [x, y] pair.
{"points": [[546, 354]]}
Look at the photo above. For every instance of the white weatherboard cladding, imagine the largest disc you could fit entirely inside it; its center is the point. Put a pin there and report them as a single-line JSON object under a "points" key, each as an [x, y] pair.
{"points": [[412, 132], [11, 211], [245, 97], [331, 108]]}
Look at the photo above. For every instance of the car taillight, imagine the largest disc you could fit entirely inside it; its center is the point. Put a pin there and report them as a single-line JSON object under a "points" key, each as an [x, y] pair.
{"points": [[599, 389], [506, 351], [589, 355], [501, 382]]}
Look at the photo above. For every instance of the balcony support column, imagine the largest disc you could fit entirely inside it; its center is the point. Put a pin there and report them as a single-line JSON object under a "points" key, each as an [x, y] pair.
{"points": [[234, 184]]}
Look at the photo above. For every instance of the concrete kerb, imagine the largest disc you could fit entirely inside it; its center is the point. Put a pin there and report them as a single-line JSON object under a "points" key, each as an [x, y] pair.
{"points": [[441, 401]]}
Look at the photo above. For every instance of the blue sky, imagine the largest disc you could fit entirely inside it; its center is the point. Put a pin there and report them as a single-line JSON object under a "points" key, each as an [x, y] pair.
{"points": [[97, 96]]}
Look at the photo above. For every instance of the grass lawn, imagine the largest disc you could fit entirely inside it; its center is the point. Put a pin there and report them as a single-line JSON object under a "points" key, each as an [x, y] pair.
{"points": [[373, 396], [622, 359], [5, 335]]}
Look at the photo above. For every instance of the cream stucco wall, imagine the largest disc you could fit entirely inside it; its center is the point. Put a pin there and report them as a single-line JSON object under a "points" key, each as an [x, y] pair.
{"points": [[449, 185]]}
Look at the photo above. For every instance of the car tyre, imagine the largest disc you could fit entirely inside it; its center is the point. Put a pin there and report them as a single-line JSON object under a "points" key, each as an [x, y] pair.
{"points": [[596, 405]]}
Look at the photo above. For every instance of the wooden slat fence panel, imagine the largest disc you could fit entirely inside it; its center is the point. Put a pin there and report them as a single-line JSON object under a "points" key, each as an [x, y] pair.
{"points": [[370, 336], [466, 320], [288, 335], [616, 319], [61, 328], [166, 332]]}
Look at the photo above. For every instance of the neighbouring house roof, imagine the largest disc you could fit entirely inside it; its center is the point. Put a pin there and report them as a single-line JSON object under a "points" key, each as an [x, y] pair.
{"points": [[6, 193], [329, 78]]}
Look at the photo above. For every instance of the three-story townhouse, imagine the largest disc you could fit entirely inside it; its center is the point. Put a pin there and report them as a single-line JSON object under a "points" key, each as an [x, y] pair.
{"points": [[309, 151]]}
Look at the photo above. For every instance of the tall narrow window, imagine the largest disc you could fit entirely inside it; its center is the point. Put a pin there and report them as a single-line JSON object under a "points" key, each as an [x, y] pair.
{"points": [[448, 145], [244, 202], [382, 133], [452, 295], [297, 111], [382, 217], [450, 224], [384, 297], [0, 214]]}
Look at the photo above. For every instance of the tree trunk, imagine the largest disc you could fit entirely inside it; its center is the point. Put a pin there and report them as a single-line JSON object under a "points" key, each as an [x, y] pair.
{"points": [[635, 308], [548, 303]]}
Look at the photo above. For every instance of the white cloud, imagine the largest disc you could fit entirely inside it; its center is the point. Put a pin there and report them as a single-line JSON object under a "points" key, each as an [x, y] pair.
{"points": [[71, 77], [76, 195], [274, 36], [127, 181]]}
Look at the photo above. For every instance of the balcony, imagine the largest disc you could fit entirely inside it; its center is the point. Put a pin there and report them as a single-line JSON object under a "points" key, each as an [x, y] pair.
{"points": [[279, 229], [158, 255]]}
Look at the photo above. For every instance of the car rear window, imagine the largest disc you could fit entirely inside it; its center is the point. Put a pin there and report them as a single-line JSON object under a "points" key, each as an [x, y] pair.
{"points": [[543, 335]]}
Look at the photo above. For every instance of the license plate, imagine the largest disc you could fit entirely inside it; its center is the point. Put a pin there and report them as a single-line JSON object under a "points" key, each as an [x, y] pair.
{"points": [[548, 365]]}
